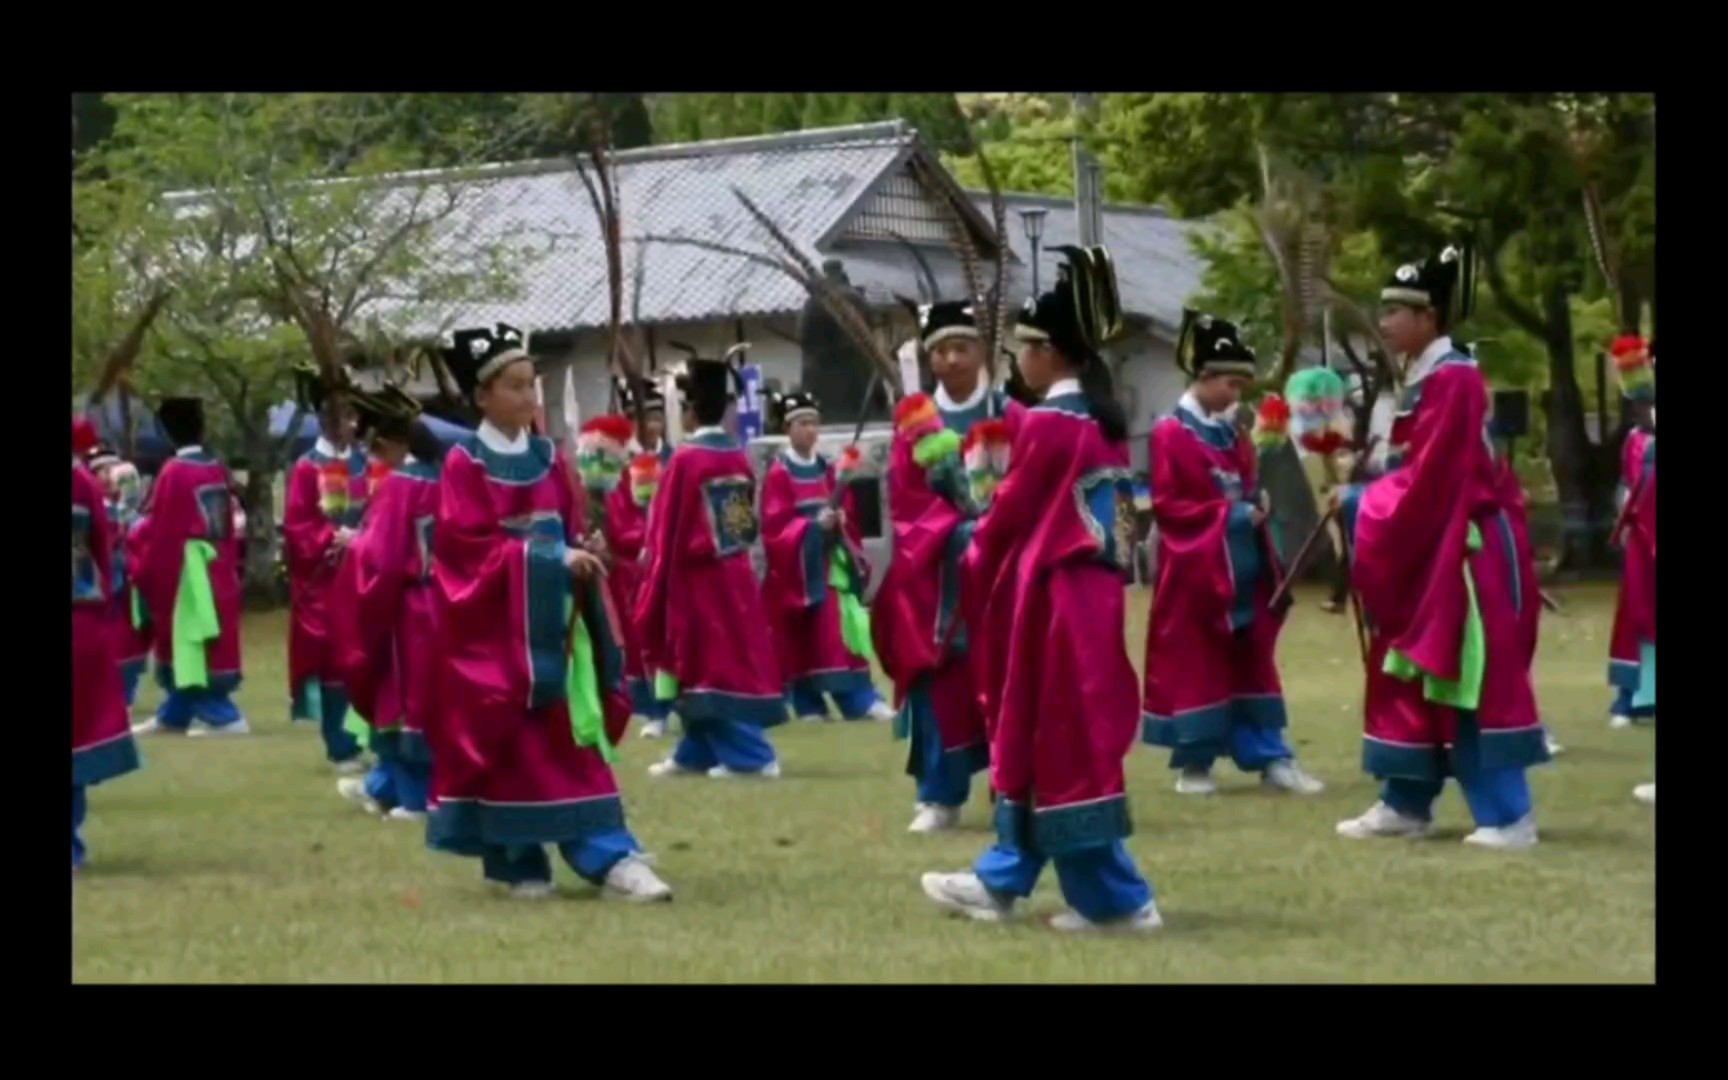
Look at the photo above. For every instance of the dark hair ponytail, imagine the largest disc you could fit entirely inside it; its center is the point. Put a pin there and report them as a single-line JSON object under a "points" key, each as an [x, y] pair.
{"points": [[1100, 391], [424, 444]]}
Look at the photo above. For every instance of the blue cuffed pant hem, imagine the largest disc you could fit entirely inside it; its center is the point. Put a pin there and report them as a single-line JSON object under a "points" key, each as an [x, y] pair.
{"points": [[592, 858], [1100, 883]]}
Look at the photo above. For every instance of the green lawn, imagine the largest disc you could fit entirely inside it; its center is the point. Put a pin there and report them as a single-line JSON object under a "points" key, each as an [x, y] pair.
{"points": [[235, 860]]}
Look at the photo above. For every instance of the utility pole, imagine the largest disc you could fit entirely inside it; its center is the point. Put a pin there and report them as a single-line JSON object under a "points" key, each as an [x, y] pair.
{"points": [[1088, 181]]}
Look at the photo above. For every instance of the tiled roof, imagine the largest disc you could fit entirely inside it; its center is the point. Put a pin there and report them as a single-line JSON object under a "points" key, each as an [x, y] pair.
{"points": [[806, 182], [809, 183]]}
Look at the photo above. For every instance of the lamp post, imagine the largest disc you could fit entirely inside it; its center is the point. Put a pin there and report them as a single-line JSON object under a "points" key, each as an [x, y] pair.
{"points": [[1033, 222]]}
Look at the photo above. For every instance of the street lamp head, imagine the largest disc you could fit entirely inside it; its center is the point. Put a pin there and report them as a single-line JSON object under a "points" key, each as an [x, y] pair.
{"points": [[1033, 222]]}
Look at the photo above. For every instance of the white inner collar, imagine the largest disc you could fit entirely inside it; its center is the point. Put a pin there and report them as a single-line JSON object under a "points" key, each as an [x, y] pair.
{"points": [[1062, 386], [1425, 363], [1227, 418], [499, 443], [948, 404], [328, 448], [801, 459], [188, 451], [715, 429]]}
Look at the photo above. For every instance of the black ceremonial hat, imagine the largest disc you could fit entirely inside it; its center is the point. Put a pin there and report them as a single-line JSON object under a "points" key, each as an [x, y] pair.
{"points": [[948, 319], [796, 405], [1212, 346]]}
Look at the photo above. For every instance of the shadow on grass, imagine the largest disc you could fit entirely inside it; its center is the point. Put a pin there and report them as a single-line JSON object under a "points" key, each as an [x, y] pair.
{"points": [[136, 865], [1203, 923], [1589, 837], [812, 771]]}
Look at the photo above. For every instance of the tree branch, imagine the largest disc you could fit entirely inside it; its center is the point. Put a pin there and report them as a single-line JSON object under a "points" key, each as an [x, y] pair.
{"points": [[1516, 310]]}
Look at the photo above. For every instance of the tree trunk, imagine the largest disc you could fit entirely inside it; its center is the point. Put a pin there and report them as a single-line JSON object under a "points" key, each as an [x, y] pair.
{"points": [[1585, 499], [262, 585]]}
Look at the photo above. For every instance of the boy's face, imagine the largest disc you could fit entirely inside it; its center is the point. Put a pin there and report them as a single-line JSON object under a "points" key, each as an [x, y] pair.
{"points": [[508, 400], [956, 360], [803, 432], [1220, 392], [1408, 330]]}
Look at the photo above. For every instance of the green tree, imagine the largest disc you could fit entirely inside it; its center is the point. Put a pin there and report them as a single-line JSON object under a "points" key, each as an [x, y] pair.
{"points": [[1417, 170], [294, 231]]}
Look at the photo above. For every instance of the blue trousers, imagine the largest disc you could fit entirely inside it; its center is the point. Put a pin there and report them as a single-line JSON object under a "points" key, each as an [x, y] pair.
{"points": [[853, 704], [79, 808], [394, 782], [214, 707], [1497, 797], [1623, 705], [740, 747], [592, 858], [1250, 746], [1100, 883], [130, 675], [944, 779], [643, 702], [339, 744]]}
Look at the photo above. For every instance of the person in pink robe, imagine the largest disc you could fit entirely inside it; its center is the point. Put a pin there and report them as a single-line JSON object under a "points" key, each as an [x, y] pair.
{"points": [[102, 745], [190, 586], [1632, 647], [326, 498], [699, 617], [1045, 576], [1212, 687], [529, 696], [382, 622], [627, 532], [916, 619], [120, 485], [1442, 562], [817, 575]]}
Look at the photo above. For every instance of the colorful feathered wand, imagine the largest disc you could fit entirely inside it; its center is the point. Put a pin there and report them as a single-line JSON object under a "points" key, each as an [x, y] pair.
{"points": [[986, 452], [1635, 368], [846, 470], [644, 478], [1271, 423], [935, 448], [602, 449], [1316, 400]]}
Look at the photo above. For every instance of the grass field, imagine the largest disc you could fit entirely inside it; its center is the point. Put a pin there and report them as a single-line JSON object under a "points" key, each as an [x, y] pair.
{"points": [[235, 861]]}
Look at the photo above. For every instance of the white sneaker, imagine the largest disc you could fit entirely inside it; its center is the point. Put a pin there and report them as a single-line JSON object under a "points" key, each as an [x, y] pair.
{"points": [[1618, 721], [1553, 745], [238, 727], [881, 712], [1146, 919], [1196, 782], [1289, 776], [353, 788], [154, 726], [1645, 793], [532, 890], [770, 772], [965, 894], [352, 767], [932, 818], [1517, 836], [654, 729], [632, 879], [669, 767], [816, 718], [402, 813], [1382, 820]]}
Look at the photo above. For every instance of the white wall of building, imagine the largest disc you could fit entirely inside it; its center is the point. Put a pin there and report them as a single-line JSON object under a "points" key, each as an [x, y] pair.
{"points": [[779, 358], [1150, 385]]}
